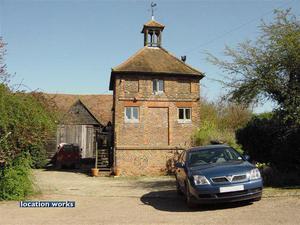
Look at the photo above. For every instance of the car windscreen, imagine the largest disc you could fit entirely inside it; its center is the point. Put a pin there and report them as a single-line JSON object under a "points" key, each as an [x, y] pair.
{"points": [[214, 155]]}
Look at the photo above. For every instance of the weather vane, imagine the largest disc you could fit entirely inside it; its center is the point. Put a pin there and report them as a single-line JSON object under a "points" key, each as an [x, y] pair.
{"points": [[152, 9]]}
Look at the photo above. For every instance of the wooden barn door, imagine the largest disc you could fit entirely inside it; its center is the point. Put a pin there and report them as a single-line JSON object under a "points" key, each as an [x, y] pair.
{"points": [[83, 135]]}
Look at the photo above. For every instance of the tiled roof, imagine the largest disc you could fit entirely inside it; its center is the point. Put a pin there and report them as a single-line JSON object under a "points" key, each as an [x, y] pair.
{"points": [[99, 105], [156, 60], [153, 23]]}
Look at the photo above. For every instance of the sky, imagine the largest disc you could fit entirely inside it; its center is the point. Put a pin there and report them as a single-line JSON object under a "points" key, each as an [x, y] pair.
{"points": [[70, 46]]}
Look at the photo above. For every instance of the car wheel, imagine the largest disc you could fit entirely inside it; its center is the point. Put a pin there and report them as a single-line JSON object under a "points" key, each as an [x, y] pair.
{"points": [[188, 198]]}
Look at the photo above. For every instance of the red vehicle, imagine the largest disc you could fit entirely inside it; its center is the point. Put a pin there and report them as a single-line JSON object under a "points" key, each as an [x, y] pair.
{"points": [[67, 155]]}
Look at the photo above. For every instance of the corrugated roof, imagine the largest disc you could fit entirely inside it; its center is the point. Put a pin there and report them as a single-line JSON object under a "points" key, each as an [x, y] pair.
{"points": [[156, 60], [99, 105]]}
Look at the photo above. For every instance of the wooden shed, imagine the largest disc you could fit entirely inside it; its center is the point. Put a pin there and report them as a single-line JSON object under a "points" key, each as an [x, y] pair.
{"points": [[79, 126], [84, 117]]}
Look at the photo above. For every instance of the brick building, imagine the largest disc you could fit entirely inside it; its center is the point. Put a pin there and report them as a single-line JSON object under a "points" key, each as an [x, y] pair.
{"points": [[155, 106]]}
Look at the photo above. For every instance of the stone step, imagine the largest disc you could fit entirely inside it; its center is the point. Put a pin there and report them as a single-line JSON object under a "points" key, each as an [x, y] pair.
{"points": [[103, 163], [103, 159]]}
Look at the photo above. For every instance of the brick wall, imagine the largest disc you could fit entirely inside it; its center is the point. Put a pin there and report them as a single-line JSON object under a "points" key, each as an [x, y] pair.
{"points": [[146, 162], [146, 146]]}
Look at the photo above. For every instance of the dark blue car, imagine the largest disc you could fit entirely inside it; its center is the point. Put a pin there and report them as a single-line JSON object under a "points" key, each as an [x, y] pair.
{"points": [[217, 173]]}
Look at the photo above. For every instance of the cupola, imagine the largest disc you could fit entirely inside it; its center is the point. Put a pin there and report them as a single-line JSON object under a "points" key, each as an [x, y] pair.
{"points": [[152, 31]]}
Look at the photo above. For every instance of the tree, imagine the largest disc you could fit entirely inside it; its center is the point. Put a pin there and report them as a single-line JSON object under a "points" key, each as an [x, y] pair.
{"points": [[268, 68], [219, 121], [3, 73]]}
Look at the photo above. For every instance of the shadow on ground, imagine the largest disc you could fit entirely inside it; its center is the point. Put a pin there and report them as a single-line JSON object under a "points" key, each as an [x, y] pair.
{"points": [[84, 169], [171, 202], [158, 184]]}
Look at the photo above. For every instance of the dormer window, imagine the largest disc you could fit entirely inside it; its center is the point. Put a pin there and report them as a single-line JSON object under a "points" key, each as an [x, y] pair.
{"points": [[158, 86]]}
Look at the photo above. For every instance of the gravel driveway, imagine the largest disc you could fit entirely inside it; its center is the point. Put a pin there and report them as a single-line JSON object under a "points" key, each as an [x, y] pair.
{"points": [[144, 200]]}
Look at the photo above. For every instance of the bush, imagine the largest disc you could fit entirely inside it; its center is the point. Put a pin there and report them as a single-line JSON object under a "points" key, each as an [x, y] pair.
{"points": [[26, 123], [257, 138], [15, 183], [218, 122], [27, 120], [38, 156], [268, 140]]}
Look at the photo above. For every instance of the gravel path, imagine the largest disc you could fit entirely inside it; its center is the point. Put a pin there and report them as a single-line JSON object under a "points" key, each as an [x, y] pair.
{"points": [[106, 200]]}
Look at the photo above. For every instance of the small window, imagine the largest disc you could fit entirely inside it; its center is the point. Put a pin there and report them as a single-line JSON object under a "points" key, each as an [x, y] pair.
{"points": [[132, 114], [158, 86], [184, 114]]}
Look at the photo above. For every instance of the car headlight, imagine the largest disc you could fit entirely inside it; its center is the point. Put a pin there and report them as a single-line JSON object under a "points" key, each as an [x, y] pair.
{"points": [[200, 180], [254, 174]]}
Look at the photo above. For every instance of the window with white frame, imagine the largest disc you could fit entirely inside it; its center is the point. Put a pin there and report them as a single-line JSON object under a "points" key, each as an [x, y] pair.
{"points": [[184, 115], [131, 114], [158, 86]]}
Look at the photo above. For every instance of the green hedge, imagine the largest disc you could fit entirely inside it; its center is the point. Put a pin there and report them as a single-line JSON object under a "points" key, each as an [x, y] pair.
{"points": [[27, 120], [15, 182], [268, 140]]}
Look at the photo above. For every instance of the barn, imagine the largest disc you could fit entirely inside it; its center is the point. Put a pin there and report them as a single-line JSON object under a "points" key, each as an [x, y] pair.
{"points": [[84, 121]]}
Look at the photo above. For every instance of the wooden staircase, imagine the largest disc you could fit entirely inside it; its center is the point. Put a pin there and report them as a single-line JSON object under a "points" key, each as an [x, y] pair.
{"points": [[102, 160]]}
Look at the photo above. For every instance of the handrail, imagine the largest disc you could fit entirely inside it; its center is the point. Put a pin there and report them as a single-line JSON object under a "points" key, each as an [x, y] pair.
{"points": [[96, 160]]}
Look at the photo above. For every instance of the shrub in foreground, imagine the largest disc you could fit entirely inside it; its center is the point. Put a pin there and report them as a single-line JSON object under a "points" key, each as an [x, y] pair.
{"points": [[15, 182], [270, 141]]}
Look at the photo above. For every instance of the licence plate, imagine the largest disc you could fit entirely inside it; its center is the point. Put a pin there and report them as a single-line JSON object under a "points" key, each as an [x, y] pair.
{"points": [[231, 188]]}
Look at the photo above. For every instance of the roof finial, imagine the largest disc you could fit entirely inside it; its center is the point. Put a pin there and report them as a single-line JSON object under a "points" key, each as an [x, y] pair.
{"points": [[152, 10]]}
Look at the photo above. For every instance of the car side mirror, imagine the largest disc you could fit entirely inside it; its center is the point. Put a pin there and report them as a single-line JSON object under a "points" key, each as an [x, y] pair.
{"points": [[179, 165], [247, 157]]}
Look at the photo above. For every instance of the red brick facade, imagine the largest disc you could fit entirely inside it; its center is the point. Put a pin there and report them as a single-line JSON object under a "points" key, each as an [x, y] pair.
{"points": [[156, 107], [144, 147]]}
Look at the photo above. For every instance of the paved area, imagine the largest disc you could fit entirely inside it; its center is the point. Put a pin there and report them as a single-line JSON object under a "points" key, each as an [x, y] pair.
{"points": [[145, 200]]}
